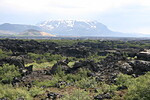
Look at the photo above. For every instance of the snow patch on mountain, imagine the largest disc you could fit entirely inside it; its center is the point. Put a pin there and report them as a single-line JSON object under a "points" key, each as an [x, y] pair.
{"points": [[75, 27]]}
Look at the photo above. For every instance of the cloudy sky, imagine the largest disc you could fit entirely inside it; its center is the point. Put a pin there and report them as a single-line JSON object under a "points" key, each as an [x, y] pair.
{"points": [[118, 15]]}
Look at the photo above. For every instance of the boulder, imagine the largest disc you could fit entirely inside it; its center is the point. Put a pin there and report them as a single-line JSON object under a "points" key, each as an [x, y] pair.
{"points": [[29, 69], [144, 55], [88, 64], [126, 68], [122, 88], [60, 65]]}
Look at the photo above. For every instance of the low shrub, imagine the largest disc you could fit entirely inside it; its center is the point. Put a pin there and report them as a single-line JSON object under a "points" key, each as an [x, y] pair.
{"points": [[34, 91], [46, 57], [138, 88], [8, 72], [47, 83], [77, 95], [4, 54], [11, 93], [87, 83]]}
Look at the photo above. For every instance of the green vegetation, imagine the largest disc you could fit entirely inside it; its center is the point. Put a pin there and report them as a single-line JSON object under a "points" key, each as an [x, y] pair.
{"points": [[81, 86], [77, 79], [8, 72], [87, 83], [77, 95], [138, 88], [4, 54], [38, 66], [11, 93], [35, 91], [46, 57]]}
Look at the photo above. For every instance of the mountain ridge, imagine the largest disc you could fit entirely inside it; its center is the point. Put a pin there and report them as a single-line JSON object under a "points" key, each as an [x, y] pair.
{"points": [[66, 28], [74, 27]]}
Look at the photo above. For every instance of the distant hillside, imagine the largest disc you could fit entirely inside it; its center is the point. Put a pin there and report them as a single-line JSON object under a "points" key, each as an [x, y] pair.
{"points": [[32, 32], [3, 32], [63, 28], [17, 27]]}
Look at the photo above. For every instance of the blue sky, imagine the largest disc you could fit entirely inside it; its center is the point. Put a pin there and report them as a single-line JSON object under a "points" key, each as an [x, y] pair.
{"points": [[118, 15]]}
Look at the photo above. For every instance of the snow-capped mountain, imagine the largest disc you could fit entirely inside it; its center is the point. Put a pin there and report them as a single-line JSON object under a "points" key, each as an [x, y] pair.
{"points": [[76, 28], [65, 28]]}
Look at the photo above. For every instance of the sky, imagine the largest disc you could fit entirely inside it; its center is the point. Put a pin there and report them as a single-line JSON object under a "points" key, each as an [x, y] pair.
{"points": [[118, 15]]}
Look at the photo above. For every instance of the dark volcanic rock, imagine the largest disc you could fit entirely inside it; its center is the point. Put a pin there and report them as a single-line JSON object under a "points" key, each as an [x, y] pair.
{"points": [[29, 69], [4, 98], [88, 64], [126, 68], [18, 62], [140, 67], [77, 52], [13, 61], [122, 88], [53, 96], [22, 47], [103, 96], [144, 55], [61, 83], [60, 65], [108, 69]]}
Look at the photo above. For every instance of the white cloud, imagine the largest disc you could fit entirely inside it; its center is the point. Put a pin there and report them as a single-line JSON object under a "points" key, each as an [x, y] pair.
{"points": [[119, 11], [143, 30], [66, 6]]}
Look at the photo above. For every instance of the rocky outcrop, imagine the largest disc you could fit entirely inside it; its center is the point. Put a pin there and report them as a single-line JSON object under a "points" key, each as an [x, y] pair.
{"points": [[60, 66], [23, 47], [18, 62], [88, 64], [13, 61], [144, 55], [140, 67], [107, 69]]}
